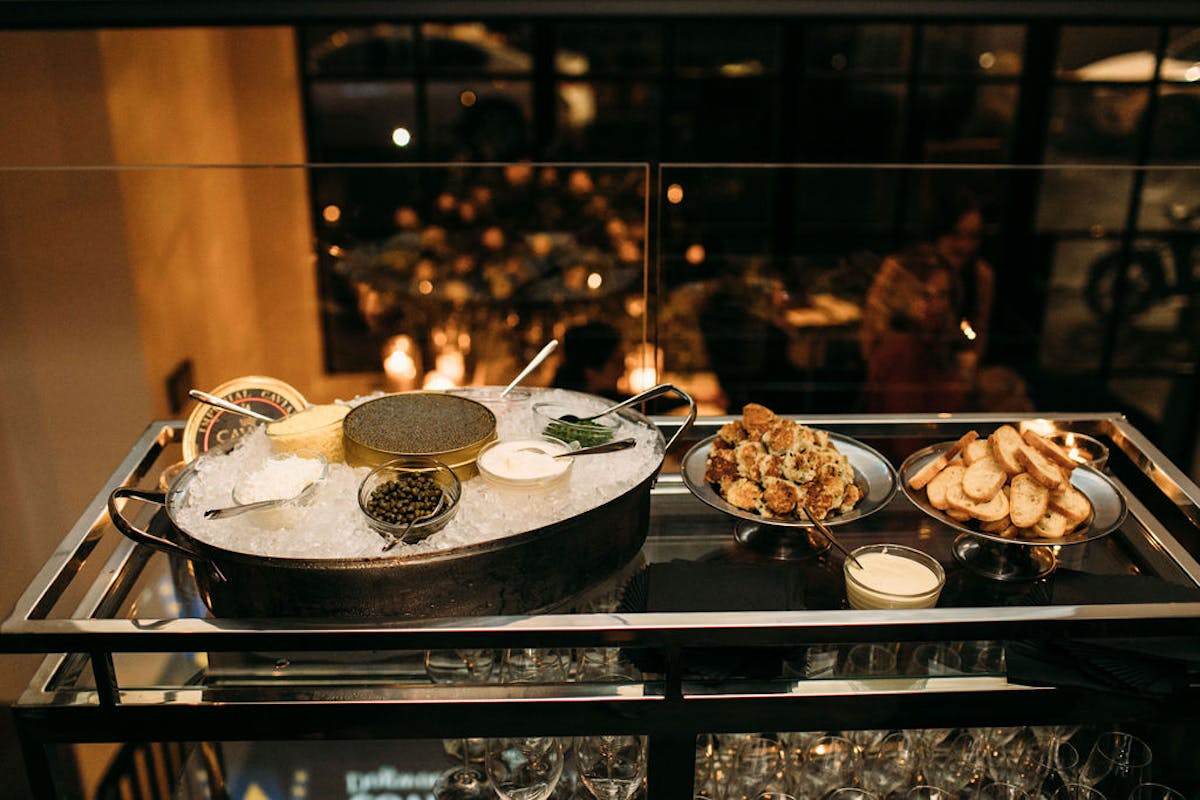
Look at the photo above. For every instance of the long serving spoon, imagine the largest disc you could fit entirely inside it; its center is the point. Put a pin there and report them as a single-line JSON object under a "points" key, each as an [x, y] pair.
{"points": [[607, 447], [233, 511], [829, 535], [393, 540], [225, 405], [531, 366]]}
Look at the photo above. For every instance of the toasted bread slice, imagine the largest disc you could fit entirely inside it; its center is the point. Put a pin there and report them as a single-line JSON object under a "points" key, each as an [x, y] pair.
{"points": [[1040, 467], [961, 516], [1005, 442], [976, 450], [1050, 450], [1071, 503], [962, 443], [936, 490], [927, 473], [1052, 525], [1028, 500], [996, 526], [983, 479], [994, 509]]}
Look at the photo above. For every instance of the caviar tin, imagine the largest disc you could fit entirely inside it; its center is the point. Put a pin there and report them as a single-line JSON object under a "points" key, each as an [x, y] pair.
{"points": [[208, 428], [446, 427]]}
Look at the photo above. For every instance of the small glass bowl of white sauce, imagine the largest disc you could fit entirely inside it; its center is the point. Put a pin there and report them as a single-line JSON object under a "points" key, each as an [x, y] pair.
{"points": [[524, 463], [893, 576]]}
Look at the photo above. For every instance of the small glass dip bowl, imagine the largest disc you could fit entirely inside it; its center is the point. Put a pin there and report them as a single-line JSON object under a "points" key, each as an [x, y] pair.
{"points": [[278, 480], [507, 469], [584, 434], [1080, 447], [868, 587], [406, 469], [513, 406]]}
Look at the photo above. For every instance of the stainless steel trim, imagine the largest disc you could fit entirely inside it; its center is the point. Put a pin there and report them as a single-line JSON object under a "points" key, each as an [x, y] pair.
{"points": [[1157, 467], [46, 589]]}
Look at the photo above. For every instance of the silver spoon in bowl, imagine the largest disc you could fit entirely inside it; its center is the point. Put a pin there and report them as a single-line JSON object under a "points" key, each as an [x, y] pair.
{"points": [[829, 535], [233, 511], [393, 540], [542, 355], [225, 405]]}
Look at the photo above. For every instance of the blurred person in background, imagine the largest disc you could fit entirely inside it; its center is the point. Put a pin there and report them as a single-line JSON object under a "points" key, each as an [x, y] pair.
{"points": [[592, 360], [964, 311], [916, 362]]}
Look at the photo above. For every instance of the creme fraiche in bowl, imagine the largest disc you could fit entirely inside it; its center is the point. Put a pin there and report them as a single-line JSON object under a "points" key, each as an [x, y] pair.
{"points": [[893, 576], [524, 463]]}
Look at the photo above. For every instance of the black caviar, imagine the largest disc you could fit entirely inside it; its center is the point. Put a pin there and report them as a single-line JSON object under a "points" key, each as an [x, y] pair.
{"points": [[403, 499]]}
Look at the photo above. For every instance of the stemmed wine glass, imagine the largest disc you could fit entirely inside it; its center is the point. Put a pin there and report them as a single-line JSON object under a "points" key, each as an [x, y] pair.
{"points": [[887, 766], [534, 665], [611, 767], [465, 781], [829, 763], [761, 765], [524, 768], [954, 764], [1117, 763], [1155, 791]]}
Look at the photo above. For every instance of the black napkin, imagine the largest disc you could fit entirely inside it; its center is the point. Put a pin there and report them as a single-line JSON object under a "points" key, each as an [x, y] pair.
{"points": [[1152, 668], [683, 586], [1094, 666], [719, 586], [1069, 587]]}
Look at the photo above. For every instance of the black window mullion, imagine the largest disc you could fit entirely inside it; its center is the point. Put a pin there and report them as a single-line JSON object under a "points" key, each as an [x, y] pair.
{"points": [[545, 84], [1019, 245], [421, 93], [787, 137], [1112, 330], [911, 146]]}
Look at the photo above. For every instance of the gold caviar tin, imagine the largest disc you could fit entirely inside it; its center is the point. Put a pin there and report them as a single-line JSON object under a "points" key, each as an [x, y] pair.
{"points": [[208, 427], [449, 428]]}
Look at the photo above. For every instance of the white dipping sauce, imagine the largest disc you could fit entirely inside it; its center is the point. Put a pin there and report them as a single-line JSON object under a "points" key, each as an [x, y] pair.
{"points": [[525, 460], [890, 581]]}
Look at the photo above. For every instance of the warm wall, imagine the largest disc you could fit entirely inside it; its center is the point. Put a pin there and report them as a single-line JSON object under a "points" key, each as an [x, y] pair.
{"points": [[111, 277], [221, 258]]}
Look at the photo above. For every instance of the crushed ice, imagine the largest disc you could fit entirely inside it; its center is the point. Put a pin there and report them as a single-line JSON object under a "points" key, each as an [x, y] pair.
{"points": [[333, 526]]}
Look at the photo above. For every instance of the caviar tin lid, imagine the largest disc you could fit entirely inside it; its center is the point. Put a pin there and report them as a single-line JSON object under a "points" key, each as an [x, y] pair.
{"points": [[209, 427], [447, 427]]}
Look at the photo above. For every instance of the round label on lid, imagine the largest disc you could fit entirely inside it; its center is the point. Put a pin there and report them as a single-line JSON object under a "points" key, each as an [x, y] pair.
{"points": [[209, 427]]}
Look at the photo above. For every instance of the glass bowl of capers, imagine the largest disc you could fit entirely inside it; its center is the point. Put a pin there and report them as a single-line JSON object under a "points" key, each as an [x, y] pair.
{"points": [[407, 499]]}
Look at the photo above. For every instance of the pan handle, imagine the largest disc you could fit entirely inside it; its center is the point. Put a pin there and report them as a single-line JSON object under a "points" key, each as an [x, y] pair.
{"points": [[143, 537], [664, 388]]}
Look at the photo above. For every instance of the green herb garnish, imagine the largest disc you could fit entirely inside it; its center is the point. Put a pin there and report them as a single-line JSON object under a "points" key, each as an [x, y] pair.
{"points": [[587, 432]]}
